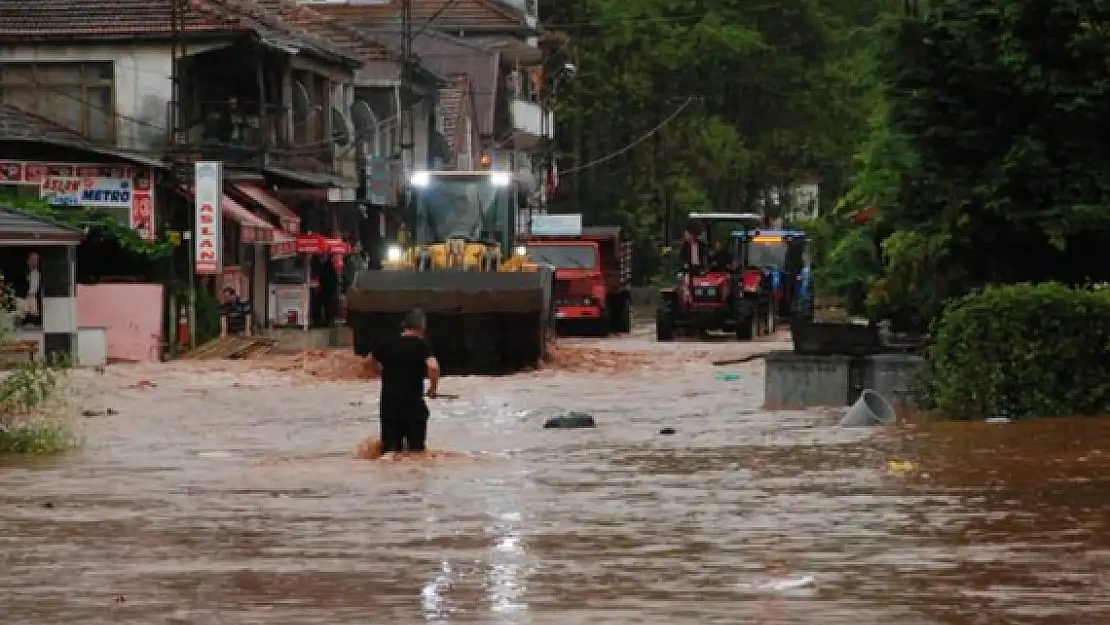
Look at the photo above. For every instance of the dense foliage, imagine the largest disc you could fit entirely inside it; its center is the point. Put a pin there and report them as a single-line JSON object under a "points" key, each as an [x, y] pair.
{"points": [[1023, 350], [987, 160], [768, 93]]}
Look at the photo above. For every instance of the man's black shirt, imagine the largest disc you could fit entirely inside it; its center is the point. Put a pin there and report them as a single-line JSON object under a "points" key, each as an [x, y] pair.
{"points": [[404, 366]]}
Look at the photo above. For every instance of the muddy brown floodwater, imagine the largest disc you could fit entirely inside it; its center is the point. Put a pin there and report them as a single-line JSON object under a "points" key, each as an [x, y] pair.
{"points": [[228, 494]]}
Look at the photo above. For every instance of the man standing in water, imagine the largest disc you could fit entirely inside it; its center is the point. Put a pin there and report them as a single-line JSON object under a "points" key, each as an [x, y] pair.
{"points": [[403, 363]]}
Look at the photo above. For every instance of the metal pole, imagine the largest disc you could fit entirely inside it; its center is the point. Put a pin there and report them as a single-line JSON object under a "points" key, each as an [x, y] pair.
{"points": [[187, 236], [407, 113]]}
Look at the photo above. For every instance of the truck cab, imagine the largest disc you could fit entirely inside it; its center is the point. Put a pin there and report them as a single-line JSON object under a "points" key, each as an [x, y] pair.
{"points": [[592, 274]]}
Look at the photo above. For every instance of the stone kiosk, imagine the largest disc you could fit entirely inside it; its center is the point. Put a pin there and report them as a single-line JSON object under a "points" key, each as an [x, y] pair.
{"points": [[834, 361]]}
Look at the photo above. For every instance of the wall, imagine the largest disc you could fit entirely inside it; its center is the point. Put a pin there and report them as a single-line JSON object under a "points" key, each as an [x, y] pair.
{"points": [[132, 314], [142, 84]]}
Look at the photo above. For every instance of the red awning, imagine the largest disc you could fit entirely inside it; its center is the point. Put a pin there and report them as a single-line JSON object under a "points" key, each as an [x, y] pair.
{"points": [[319, 244], [289, 220], [252, 229]]}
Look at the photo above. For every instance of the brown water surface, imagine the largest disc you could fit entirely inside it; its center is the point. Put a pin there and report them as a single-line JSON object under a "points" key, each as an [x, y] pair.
{"points": [[233, 497]]}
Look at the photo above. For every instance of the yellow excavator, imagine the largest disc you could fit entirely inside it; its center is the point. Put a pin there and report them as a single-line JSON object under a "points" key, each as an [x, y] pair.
{"points": [[490, 310]]}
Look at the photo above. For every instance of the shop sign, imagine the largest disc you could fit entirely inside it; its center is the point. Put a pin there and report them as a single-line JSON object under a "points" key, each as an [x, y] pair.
{"points": [[208, 192], [91, 185], [90, 192]]}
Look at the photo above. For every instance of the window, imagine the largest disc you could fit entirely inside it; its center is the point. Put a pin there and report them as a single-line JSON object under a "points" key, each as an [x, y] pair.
{"points": [[75, 95]]}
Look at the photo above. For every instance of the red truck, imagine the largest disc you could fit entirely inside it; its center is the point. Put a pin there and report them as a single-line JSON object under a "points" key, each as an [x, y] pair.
{"points": [[593, 278]]}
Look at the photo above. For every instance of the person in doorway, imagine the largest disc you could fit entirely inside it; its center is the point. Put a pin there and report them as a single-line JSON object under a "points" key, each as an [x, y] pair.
{"points": [[27, 303], [235, 314], [403, 363]]}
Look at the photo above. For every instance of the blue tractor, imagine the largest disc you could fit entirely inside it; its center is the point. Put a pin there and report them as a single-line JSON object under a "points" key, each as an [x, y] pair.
{"points": [[781, 255]]}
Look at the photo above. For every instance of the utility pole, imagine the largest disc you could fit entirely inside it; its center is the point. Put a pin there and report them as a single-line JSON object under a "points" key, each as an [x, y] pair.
{"points": [[407, 113]]}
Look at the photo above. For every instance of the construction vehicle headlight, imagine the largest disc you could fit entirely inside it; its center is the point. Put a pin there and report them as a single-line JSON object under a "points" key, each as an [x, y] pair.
{"points": [[393, 254], [420, 179], [500, 179], [521, 251]]}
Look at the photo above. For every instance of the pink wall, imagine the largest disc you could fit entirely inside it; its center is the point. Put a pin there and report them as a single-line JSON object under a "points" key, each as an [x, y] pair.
{"points": [[132, 313]]}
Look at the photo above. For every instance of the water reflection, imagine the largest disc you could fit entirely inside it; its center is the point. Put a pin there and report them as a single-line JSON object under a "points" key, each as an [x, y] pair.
{"points": [[981, 524]]}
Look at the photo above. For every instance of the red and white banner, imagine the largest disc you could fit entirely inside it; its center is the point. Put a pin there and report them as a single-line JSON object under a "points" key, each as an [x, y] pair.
{"points": [[207, 195]]}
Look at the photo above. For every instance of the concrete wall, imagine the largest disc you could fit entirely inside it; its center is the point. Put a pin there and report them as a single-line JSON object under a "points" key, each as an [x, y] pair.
{"points": [[132, 315], [142, 84], [800, 381]]}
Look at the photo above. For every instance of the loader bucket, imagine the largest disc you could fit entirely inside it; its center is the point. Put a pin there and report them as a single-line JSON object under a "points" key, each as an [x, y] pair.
{"points": [[478, 322]]}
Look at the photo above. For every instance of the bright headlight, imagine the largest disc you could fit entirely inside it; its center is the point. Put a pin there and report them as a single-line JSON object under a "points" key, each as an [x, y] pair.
{"points": [[420, 179], [393, 254], [521, 251], [500, 179]]}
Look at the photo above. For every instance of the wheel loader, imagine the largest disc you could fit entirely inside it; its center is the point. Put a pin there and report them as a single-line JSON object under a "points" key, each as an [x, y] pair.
{"points": [[490, 309]]}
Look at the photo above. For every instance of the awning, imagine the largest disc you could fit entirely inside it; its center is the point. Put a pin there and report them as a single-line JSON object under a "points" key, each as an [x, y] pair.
{"points": [[284, 245], [252, 228], [289, 220], [319, 244]]}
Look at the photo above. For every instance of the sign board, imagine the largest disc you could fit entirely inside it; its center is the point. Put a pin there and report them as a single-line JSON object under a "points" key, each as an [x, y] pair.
{"points": [[379, 182], [207, 196], [91, 192], [557, 225], [125, 190]]}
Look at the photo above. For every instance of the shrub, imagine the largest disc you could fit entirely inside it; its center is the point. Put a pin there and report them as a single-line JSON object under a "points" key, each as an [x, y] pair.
{"points": [[1023, 350], [33, 411]]}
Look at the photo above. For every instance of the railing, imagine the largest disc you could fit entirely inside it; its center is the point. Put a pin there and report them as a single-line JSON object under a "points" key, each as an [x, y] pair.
{"points": [[247, 135]]}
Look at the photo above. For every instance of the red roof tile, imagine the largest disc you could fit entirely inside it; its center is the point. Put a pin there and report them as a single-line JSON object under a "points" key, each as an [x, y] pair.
{"points": [[107, 19], [448, 15], [365, 47]]}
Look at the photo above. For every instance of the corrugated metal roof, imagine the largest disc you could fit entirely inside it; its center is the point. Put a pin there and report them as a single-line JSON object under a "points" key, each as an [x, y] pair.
{"points": [[21, 225], [19, 125]]}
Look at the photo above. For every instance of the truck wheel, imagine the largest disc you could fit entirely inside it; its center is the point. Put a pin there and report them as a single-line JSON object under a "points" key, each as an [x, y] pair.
{"points": [[622, 316], [603, 324], [747, 327], [664, 326]]}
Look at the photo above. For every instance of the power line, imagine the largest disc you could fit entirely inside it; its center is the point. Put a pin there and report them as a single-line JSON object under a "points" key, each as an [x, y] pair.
{"points": [[645, 137]]}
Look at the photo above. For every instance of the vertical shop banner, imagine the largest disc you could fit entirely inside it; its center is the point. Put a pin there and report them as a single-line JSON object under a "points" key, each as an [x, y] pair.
{"points": [[206, 198], [142, 207]]}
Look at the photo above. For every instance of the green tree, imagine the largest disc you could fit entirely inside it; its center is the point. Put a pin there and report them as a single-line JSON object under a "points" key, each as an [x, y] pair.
{"points": [[768, 92], [1002, 109]]}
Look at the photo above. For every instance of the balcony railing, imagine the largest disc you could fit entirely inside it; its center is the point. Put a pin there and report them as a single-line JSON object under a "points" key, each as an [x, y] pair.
{"points": [[531, 120], [247, 135]]}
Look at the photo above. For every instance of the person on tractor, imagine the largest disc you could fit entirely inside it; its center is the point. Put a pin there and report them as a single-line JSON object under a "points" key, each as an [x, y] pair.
{"points": [[693, 250], [720, 259]]}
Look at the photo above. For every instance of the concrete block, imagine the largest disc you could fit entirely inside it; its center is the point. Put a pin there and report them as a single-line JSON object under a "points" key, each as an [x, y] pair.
{"points": [[801, 381], [891, 375]]}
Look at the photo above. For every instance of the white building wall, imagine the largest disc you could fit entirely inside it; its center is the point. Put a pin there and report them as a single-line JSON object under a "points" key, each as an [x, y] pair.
{"points": [[141, 83]]}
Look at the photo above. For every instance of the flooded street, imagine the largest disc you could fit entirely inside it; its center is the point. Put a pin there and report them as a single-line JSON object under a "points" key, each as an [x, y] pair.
{"points": [[232, 497]]}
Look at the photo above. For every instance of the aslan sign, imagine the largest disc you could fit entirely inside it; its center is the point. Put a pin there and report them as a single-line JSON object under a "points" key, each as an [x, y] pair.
{"points": [[208, 192]]}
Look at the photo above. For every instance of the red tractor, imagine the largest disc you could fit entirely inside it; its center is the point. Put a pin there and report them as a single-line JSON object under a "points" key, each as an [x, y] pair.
{"points": [[727, 295]]}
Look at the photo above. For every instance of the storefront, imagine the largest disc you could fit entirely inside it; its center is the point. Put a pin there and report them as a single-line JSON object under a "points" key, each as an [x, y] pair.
{"points": [[300, 294], [125, 192]]}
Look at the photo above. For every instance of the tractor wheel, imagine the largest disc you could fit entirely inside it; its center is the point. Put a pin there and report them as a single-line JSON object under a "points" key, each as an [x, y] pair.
{"points": [[664, 326]]}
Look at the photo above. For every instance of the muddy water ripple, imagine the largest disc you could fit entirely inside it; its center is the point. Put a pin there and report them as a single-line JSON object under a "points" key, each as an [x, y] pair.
{"points": [[204, 502]]}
